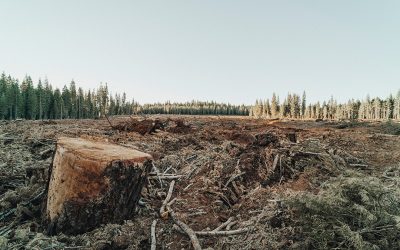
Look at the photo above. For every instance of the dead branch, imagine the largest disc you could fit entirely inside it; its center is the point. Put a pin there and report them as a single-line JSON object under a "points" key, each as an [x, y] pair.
{"points": [[153, 235], [197, 213], [275, 162], [233, 178], [222, 233], [109, 121], [223, 224], [310, 153], [359, 165], [46, 153], [228, 227], [157, 173], [9, 212], [165, 177], [188, 186], [165, 202], [217, 233], [186, 229], [171, 202]]}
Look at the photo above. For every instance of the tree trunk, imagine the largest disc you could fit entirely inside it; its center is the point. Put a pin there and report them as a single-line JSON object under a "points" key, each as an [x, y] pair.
{"points": [[93, 183]]}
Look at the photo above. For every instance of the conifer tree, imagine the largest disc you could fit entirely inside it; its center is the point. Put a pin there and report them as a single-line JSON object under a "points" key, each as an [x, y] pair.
{"points": [[274, 106], [29, 99]]}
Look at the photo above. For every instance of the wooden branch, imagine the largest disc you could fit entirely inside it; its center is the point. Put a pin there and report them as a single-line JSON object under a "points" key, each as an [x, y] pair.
{"points": [[233, 178], [359, 165], [186, 229], [166, 170], [188, 186], [223, 225], [216, 233], [171, 202], [9, 212], [310, 153], [45, 153], [157, 173], [109, 121], [165, 177], [222, 233], [228, 227], [153, 235], [275, 162], [182, 225], [163, 213]]}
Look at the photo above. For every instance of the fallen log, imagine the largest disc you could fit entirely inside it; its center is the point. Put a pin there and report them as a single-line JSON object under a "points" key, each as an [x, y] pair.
{"points": [[93, 183]]}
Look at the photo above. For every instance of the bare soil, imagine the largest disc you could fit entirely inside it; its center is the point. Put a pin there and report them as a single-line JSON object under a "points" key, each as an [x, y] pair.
{"points": [[227, 166]]}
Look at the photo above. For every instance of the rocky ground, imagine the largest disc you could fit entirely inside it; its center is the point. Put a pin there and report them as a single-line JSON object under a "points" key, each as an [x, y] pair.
{"points": [[244, 177]]}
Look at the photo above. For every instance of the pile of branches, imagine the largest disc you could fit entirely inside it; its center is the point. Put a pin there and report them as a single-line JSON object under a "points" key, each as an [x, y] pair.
{"points": [[146, 126], [350, 212], [150, 126], [390, 127]]}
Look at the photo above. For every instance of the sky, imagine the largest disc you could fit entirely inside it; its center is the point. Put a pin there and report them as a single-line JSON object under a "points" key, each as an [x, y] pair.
{"points": [[224, 50]]}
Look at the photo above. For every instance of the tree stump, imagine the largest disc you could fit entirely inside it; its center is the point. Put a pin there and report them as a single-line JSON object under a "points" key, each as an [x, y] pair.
{"points": [[93, 183]]}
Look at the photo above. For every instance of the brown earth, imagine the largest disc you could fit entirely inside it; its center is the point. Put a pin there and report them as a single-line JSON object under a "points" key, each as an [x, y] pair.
{"points": [[226, 166]]}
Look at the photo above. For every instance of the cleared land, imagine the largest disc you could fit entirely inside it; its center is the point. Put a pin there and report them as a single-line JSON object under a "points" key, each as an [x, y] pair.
{"points": [[240, 183]]}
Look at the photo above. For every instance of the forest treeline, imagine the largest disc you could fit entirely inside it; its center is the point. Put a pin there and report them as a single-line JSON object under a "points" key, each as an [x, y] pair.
{"points": [[296, 107], [194, 108], [29, 100]]}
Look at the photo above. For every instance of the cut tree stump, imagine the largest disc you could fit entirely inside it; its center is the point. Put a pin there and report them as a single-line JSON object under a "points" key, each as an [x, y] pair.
{"points": [[93, 183]]}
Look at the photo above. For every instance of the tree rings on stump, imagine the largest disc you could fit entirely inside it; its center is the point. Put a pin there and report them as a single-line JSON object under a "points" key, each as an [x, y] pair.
{"points": [[93, 183]]}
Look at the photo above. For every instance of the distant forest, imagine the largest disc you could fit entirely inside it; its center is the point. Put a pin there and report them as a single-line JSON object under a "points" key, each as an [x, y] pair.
{"points": [[296, 107], [27, 100]]}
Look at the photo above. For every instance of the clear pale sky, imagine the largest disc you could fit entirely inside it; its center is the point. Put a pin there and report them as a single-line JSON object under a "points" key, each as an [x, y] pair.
{"points": [[222, 50]]}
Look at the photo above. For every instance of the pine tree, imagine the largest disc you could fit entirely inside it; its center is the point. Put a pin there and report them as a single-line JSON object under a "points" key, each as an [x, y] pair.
{"points": [[4, 102], [303, 104], [81, 112], [29, 99], [73, 104], [65, 105], [40, 99], [318, 110], [47, 99], [274, 106], [377, 109], [396, 106], [57, 105]]}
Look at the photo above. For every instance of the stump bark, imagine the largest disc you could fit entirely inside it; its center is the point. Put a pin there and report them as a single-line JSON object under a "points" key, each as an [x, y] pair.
{"points": [[93, 183]]}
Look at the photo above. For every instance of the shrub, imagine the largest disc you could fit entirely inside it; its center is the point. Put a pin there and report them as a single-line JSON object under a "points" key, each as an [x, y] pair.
{"points": [[353, 212], [391, 128]]}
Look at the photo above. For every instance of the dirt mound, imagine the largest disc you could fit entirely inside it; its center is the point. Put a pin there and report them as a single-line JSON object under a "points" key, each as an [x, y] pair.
{"points": [[147, 126], [179, 127]]}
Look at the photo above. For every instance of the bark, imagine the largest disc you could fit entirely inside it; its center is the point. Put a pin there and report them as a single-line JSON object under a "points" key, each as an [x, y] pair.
{"points": [[93, 183]]}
